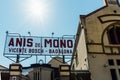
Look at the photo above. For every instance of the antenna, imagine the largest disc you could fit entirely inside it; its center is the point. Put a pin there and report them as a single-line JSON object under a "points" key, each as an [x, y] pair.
{"points": [[29, 33], [52, 34]]}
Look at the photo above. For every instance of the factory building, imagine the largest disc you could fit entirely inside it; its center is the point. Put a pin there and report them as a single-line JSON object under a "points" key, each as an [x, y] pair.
{"points": [[97, 45]]}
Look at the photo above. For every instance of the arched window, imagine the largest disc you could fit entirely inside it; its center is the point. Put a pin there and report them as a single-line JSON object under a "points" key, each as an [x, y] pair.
{"points": [[114, 34]]}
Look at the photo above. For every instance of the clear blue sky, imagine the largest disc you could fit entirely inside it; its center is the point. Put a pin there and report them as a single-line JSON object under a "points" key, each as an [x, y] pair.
{"points": [[58, 16]]}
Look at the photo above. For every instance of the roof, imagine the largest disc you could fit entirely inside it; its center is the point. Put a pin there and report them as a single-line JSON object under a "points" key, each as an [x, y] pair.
{"points": [[2, 67], [107, 4], [56, 61]]}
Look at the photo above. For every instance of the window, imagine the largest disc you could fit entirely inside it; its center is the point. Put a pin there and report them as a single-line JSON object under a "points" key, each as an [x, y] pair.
{"points": [[38, 75], [114, 65], [112, 2], [119, 71], [118, 62], [110, 62], [113, 74], [113, 35], [34, 76]]}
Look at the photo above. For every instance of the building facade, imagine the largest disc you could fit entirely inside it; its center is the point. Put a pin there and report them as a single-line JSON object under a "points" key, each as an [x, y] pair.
{"points": [[11, 73], [4, 73], [54, 70], [97, 45]]}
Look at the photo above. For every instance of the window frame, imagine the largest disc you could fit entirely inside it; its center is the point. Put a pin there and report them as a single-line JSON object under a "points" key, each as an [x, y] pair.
{"points": [[111, 62], [113, 35]]}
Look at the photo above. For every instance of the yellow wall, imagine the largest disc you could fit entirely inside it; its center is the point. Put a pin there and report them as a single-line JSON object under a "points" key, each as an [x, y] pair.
{"points": [[98, 51]]}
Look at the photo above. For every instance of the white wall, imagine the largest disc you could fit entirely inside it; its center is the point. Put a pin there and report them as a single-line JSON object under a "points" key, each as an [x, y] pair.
{"points": [[82, 61]]}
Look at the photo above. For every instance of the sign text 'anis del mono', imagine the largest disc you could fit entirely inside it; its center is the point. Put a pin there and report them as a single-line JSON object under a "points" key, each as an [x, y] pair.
{"points": [[35, 45]]}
